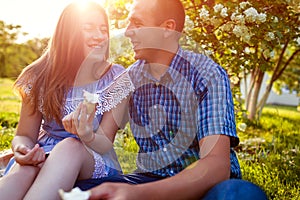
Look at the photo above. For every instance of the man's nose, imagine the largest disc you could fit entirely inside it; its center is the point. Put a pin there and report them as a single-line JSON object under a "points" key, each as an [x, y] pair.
{"points": [[129, 32]]}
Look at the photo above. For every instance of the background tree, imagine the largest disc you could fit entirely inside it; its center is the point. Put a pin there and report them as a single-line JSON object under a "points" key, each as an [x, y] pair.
{"points": [[15, 56], [120, 46], [8, 36], [250, 38]]}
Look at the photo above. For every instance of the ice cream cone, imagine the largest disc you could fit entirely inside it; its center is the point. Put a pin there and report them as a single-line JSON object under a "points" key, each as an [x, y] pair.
{"points": [[90, 100]]}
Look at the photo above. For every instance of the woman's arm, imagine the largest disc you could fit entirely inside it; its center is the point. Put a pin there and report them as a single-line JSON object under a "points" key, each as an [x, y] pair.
{"points": [[102, 140], [24, 146]]}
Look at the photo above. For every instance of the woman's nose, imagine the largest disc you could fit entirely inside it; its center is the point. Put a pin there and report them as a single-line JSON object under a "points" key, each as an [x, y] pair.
{"points": [[98, 35]]}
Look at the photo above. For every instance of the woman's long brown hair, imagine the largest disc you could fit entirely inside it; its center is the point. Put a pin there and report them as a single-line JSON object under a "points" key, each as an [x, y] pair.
{"points": [[53, 74]]}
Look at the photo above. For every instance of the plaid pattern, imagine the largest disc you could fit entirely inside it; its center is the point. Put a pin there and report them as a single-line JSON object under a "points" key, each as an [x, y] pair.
{"points": [[168, 117]]}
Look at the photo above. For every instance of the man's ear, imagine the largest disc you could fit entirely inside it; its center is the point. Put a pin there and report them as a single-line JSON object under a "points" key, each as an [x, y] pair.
{"points": [[170, 27], [169, 24]]}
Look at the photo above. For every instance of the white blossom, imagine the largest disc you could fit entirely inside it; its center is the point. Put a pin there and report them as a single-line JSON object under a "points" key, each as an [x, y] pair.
{"points": [[189, 24], [233, 51], [269, 36], [244, 4], [218, 7], [251, 14], [204, 14], [298, 40], [233, 16], [224, 12], [234, 79], [238, 18], [242, 127], [242, 32], [262, 17], [247, 50]]}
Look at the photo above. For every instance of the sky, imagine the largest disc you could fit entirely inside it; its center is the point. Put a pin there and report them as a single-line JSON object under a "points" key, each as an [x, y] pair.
{"points": [[37, 17]]}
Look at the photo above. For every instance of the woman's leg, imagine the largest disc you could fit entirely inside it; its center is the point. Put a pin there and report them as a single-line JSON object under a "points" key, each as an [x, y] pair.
{"points": [[15, 184], [68, 160]]}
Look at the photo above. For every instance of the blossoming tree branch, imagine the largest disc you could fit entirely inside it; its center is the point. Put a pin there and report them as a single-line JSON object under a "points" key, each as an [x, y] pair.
{"points": [[249, 39]]}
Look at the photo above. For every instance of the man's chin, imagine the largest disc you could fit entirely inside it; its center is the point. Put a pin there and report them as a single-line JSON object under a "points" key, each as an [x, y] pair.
{"points": [[142, 54], [137, 55]]}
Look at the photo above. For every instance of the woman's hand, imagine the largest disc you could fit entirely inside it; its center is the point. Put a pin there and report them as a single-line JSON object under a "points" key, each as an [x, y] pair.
{"points": [[26, 156], [80, 123]]}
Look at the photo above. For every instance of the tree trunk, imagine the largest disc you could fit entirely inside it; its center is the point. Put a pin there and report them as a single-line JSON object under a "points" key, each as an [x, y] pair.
{"points": [[253, 98], [251, 86], [276, 74]]}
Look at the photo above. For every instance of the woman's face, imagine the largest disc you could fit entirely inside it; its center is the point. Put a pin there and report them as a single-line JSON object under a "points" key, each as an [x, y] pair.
{"points": [[95, 35]]}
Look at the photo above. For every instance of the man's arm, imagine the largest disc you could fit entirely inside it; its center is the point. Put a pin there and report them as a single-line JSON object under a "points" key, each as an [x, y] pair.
{"points": [[191, 183]]}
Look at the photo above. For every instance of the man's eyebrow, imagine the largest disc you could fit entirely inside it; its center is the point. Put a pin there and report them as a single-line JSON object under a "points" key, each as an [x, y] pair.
{"points": [[133, 18]]}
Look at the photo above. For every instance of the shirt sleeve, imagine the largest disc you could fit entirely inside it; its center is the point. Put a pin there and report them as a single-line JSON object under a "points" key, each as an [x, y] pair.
{"points": [[216, 109]]}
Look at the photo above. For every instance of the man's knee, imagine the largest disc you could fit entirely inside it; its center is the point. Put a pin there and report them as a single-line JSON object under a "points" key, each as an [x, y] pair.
{"points": [[235, 189]]}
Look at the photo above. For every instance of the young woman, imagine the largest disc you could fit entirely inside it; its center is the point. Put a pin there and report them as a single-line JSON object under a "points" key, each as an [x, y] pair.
{"points": [[46, 156]]}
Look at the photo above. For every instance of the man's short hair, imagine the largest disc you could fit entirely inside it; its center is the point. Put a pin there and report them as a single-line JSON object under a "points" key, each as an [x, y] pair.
{"points": [[170, 9]]}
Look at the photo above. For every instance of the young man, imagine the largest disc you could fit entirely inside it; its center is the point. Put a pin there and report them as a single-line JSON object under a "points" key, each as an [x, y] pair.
{"points": [[181, 115]]}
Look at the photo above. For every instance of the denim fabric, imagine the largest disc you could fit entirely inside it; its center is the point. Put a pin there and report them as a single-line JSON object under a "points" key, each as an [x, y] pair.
{"points": [[234, 189]]}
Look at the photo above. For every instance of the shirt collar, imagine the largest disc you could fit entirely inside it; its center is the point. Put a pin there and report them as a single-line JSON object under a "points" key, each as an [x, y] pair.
{"points": [[141, 70], [178, 65], [173, 70]]}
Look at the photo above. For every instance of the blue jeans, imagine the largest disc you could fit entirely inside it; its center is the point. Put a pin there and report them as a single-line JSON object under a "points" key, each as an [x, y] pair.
{"points": [[231, 189]]}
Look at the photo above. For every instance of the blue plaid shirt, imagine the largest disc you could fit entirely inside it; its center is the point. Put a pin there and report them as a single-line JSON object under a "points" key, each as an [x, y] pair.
{"points": [[169, 117]]}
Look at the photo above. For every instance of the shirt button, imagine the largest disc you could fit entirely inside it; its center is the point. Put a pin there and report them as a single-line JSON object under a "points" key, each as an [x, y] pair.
{"points": [[165, 149], [158, 130], [155, 106]]}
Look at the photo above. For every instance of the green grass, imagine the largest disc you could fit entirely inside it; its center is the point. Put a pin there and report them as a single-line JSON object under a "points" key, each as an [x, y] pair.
{"points": [[9, 112], [268, 152]]}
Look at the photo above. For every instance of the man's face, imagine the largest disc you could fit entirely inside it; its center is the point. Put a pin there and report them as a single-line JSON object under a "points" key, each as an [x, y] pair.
{"points": [[144, 31]]}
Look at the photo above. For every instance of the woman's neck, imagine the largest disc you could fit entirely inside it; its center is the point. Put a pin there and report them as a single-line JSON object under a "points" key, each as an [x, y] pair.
{"points": [[90, 73]]}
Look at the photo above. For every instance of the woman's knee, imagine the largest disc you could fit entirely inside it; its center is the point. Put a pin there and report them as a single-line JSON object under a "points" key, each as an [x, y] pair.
{"points": [[68, 145]]}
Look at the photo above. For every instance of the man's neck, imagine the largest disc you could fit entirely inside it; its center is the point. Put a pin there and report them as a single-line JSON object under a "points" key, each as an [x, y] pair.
{"points": [[159, 64], [157, 70]]}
